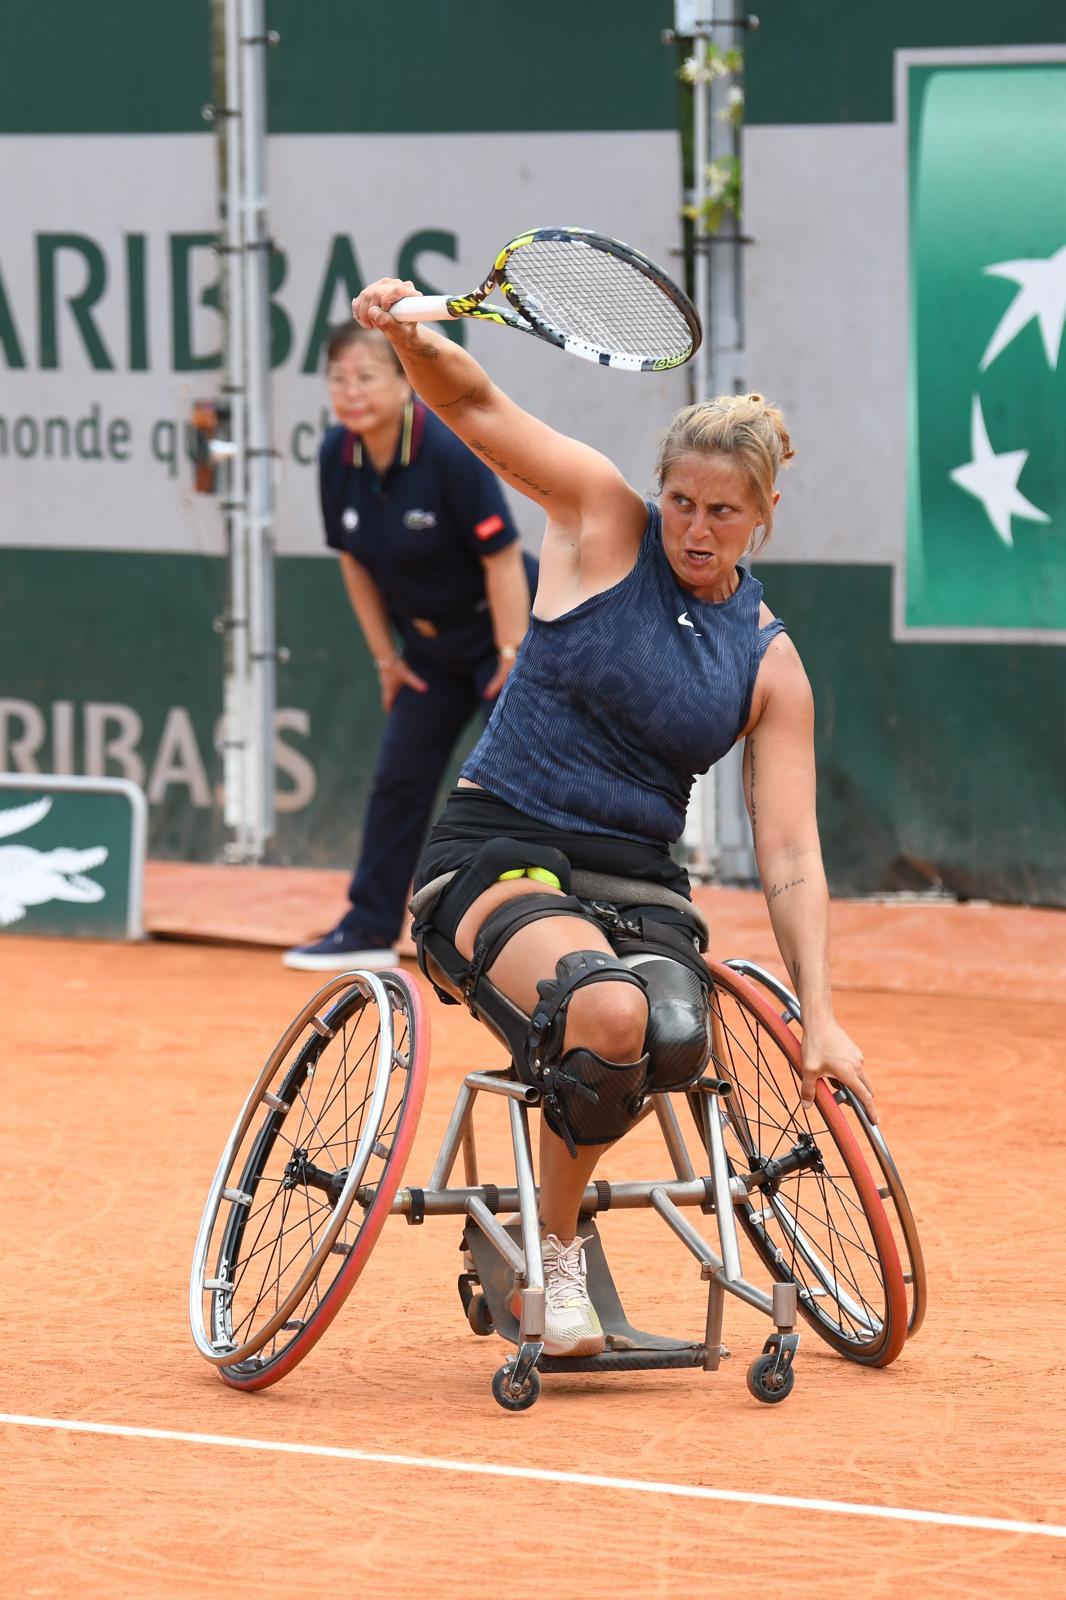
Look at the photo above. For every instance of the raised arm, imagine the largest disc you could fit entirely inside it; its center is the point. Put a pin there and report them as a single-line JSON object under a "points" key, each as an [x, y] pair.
{"points": [[568, 478], [779, 789]]}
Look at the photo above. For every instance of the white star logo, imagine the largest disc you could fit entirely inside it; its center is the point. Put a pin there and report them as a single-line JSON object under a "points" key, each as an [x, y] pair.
{"points": [[993, 479], [1042, 294]]}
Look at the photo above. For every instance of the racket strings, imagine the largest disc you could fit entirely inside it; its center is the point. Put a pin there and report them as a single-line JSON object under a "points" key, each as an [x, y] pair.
{"points": [[603, 299]]}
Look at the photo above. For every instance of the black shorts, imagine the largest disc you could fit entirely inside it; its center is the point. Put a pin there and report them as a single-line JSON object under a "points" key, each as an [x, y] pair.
{"points": [[473, 816]]}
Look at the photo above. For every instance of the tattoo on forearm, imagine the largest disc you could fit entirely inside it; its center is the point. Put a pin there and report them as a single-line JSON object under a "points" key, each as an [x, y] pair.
{"points": [[502, 466], [783, 888], [751, 762], [794, 971], [444, 405]]}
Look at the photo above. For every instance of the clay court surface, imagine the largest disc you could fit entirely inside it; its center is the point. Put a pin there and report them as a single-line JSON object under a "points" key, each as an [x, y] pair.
{"points": [[123, 1068]]}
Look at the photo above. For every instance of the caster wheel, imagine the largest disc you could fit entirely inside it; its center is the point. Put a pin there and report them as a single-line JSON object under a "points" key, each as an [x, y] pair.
{"points": [[503, 1395], [480, 1317], [766, 1388]]}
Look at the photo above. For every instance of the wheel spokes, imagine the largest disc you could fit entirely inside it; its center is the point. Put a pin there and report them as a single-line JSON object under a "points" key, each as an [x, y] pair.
{"points": [[812, 1222]]}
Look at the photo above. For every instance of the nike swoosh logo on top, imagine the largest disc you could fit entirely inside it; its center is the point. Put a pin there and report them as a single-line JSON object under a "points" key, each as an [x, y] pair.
{"points": [[683, 620]]}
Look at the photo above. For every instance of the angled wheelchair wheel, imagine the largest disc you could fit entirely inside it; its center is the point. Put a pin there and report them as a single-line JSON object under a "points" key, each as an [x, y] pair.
{"points": [[308, 1176], [814, 1215], [874, 1146]]}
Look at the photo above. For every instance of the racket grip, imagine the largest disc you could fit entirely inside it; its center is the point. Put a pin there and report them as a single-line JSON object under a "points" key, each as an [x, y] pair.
{"points": [[422, 308]]}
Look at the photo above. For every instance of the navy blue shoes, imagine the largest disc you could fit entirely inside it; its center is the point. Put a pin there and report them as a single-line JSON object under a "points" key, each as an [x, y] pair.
{"points": [[338, 952]]}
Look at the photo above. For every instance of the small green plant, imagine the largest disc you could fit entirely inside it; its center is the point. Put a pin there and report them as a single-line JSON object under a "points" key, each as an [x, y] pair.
{"points": [[722, 176]]}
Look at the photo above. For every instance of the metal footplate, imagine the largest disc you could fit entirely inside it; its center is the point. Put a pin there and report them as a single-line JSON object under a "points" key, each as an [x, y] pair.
{"points": [[628, 1349]]}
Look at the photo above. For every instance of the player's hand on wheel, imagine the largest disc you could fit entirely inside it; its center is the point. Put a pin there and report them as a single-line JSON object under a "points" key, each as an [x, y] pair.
{"points": [[828, 1052]]}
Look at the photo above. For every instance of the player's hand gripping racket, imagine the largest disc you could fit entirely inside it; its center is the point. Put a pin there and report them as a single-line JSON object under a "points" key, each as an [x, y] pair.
{"points": [[592, 296]]}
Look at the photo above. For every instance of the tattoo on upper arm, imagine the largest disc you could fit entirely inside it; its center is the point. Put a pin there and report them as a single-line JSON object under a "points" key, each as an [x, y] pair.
{"points": [[445, 405], [502, 466]]}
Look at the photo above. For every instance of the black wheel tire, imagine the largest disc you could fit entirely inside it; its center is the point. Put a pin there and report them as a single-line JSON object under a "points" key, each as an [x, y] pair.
{"points": [[759, 1381], [480, 1317], [527, 1396]]}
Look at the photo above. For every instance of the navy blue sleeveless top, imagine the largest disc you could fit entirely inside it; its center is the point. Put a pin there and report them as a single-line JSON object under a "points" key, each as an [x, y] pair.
{"points": [[611, 709]]}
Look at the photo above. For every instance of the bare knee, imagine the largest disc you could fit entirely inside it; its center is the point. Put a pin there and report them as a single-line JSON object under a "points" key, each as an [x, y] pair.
{"points": [[610, 1018]]}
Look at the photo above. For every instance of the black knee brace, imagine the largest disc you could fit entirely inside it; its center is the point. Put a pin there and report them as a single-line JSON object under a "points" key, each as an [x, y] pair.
{"points": [[678, 1040], [587, 1099]]}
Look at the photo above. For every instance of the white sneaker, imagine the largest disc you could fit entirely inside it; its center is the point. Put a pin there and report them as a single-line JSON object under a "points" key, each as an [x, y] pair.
{"points": [[571, 1326]]}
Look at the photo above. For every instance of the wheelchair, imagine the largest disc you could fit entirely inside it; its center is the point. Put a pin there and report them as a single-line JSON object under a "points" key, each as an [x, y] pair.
{"points": [[314, 1165]]}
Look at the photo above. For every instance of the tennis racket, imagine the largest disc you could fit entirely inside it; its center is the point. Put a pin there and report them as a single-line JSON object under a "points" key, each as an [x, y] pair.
{"points": [[592, 296]]}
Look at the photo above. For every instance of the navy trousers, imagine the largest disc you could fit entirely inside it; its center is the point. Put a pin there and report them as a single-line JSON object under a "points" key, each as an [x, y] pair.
{"points": [[421, 733]]}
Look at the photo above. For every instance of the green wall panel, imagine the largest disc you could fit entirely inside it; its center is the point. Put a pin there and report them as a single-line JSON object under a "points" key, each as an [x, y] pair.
{"points": [[120, 654], [818, 61], [937, 764], [118, 651], [119, 66], [441, 66]]}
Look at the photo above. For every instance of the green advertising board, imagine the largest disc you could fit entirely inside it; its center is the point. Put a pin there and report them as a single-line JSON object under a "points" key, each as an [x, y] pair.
{"points": [[71, 857], [986, 495]]}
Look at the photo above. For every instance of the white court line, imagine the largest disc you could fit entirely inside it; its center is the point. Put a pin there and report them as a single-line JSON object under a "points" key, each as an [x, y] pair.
{"points": [[587, 1480]]}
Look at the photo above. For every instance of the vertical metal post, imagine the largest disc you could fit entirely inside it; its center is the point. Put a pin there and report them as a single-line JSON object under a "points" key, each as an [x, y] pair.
{"points": [[235, 694], [734, 859], [716, 833], [701, 267], [723, 322], [259, 797], [693, 19]]}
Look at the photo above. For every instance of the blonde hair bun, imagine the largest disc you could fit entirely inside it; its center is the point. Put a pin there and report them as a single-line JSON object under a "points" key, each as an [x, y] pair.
{"points": [[743, 426]]}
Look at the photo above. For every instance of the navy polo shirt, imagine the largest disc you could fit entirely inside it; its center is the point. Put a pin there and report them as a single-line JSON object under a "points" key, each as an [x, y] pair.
{"points": [[419, 529]]}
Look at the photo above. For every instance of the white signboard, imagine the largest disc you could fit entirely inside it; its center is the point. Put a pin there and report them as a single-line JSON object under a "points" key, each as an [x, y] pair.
{"points": [[109, 329], [443, 206]]}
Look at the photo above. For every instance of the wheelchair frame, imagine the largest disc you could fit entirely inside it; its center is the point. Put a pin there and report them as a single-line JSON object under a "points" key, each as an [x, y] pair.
{"points": [[500, 1261], [516, 1384]]}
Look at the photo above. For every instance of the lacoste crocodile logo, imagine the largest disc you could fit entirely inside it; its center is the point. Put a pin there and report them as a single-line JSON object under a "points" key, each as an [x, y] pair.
{"points": [[31, 877]]}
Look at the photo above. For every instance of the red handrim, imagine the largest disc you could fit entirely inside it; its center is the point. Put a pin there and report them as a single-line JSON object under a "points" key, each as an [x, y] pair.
{"points": [[376, 1213], [896, 1310]]}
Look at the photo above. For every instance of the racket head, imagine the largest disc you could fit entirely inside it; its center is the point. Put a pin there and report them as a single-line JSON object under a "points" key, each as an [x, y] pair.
{"points": [[596, 298]]}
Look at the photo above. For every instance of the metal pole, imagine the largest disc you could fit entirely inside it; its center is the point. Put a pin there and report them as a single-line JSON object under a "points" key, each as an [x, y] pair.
{"points": [[734, 859], [702, 375], [235, 694], [694, 19], [723, 325], [256, 259]]}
